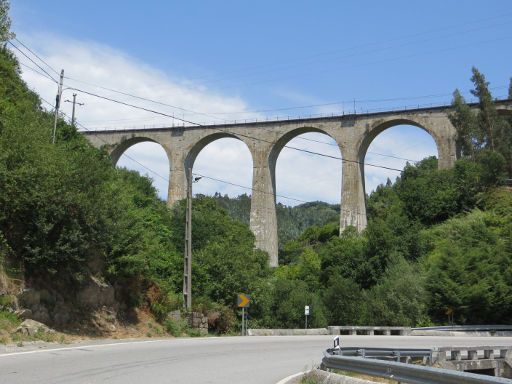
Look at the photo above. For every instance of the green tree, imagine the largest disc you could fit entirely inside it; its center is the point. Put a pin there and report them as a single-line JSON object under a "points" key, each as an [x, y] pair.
{"points": [[488, 114], [5, 22], [469, 269], [469, 138], [399, 298], [482, 129], [344, 302], [225, 262]]}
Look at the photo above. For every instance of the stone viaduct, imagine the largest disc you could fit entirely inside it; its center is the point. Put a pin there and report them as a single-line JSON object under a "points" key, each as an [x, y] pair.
{"points": [[353, 133]]}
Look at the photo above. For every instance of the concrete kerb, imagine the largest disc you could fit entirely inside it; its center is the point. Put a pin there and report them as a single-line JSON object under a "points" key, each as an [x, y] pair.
{"points": [[324, 378], [288, 332]]}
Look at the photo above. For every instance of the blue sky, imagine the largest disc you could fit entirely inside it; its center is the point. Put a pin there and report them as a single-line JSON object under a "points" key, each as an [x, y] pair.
{"points": [[239, 56]]}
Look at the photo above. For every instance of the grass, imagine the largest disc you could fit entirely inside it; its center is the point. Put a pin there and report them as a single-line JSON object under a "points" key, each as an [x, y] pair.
{"points": [[313, 378]]}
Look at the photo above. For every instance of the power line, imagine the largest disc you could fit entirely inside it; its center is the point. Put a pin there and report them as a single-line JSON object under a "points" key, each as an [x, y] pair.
{"points": [[197, 174], [194, 173], [370, 45], [202, 175], [28, 57], [247, 136], [35, 71], [134, 106], [239, 134], [374, 153], [36, 55], [248, 188], [198, 124], [143, 98]]}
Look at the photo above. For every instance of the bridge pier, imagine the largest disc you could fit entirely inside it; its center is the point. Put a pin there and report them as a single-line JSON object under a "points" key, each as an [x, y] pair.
{"points": [[263, 219], [353, 201], [177, 189]]}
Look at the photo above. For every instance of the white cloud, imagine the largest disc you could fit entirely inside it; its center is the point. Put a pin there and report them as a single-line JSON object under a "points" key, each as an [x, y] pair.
{"points": [[298, 175]]}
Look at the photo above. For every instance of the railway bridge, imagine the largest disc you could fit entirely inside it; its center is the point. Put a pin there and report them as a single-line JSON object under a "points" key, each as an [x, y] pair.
{"points": [[352, 132]]}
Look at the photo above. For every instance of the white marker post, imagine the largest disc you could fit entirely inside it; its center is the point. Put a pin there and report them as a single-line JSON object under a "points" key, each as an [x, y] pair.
{"points": [[306, 313]]}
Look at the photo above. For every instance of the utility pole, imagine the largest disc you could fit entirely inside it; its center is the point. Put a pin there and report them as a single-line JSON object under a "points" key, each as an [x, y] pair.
{"points": [[57, 105], [187, 267], [73, 113]]}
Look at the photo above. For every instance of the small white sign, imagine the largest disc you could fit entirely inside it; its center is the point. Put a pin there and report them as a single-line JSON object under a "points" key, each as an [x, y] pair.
{"points": [[306, 310]]}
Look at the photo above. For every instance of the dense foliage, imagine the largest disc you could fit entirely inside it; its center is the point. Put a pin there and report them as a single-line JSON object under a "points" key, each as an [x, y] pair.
{"points": [[437, 241]]}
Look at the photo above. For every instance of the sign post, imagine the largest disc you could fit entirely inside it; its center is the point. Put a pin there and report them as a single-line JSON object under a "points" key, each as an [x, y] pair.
{"points": [[243, 301], [306, 314]]}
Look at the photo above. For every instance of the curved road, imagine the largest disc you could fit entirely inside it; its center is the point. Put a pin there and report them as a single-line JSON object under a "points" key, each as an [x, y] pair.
{"points": [[200, 360]]}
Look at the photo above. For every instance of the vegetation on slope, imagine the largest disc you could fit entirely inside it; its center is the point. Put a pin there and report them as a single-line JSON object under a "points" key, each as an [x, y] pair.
{"points": [[437, 240], [291, 221]]}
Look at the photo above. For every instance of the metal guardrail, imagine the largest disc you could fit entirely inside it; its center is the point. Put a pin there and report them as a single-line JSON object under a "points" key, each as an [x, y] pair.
{"points": [[383, 352], [368, 330], [467, 328], [408, 373]]}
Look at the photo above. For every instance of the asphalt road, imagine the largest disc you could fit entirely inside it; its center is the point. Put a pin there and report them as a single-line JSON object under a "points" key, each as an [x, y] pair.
{"points": [[195, 360]]}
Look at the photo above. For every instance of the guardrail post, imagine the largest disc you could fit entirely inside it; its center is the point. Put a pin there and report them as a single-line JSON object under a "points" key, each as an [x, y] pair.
{"points": [[387, 332], [489, 354], [472, 355], [437, 356], [456, 355]]}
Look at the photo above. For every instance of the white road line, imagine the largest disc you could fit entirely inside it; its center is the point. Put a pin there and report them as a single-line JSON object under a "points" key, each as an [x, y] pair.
{"points": [[96, 346]]}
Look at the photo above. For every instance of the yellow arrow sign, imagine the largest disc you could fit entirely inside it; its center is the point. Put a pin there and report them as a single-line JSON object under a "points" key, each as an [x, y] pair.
{"points": [[243, 300]]}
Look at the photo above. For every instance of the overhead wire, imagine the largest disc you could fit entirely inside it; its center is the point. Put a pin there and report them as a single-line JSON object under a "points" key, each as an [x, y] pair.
{"points": [[46, 74], [239, 134], [247, 136], [373, 153], [277, 109], [142, 98], [35, 71], [36, 55], [372, 45], [198, 124], [134, 106], [194, 173], [29, 58]]}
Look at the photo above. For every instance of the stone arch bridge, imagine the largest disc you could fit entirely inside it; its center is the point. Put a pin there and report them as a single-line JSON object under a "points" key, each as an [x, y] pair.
{"points": [[353, 133]]}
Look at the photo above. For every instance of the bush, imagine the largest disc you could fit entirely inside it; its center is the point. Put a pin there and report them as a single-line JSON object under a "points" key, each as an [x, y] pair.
{"points": [[162, 302], [176, 327]]}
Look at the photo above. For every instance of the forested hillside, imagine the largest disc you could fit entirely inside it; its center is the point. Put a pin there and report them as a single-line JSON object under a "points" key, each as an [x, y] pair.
{"points": [[291, 221], [73, 229]]}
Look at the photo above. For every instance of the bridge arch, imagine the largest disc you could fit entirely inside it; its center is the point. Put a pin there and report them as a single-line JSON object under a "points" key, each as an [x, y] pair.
{"points": [[381, 126], [118, 150], [321, 179], [195, 149], [284, 139]]}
